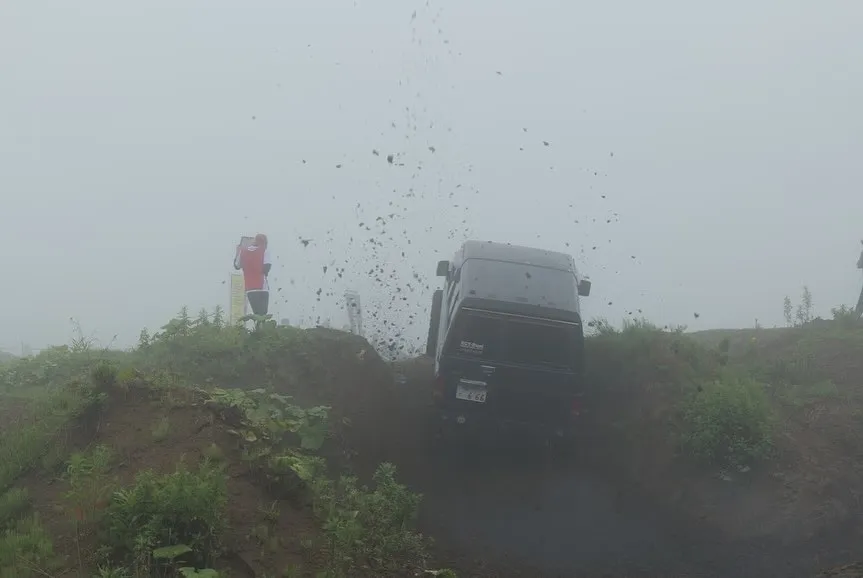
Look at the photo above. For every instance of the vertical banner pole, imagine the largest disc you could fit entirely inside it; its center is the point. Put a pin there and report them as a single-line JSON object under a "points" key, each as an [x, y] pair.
{"points": [[238, 299]]}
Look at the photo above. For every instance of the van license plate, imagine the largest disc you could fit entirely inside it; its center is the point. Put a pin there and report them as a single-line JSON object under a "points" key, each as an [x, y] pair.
{"points": [[470, 390]]}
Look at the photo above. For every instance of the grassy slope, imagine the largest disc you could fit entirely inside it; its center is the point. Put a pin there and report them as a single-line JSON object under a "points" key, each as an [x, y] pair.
{"points": [[265, 503], [667, 408], [673, 397]]}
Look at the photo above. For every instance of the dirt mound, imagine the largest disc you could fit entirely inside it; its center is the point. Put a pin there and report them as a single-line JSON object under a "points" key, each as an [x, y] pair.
{"points": [[317, 366], [811, 486], [148, 420], [313, 366], [343, 371], [804, 500], [155, 430]]}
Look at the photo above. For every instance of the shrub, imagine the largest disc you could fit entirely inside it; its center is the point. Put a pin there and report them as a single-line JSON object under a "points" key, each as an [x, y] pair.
{"points": [[185, 508], [787, 311], [727, 422], [104, 375], [88, 476], [369, 529], [804, 313], [225, 355], [641, 353], [845, 316]]}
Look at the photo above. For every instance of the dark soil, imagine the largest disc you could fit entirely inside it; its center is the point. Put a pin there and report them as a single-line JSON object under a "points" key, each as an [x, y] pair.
{"points": [[623, 505]]}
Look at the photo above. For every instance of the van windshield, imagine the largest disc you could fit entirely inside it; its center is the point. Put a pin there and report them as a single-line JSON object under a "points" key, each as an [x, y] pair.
{"points": [[519, 282], [493, 337]]}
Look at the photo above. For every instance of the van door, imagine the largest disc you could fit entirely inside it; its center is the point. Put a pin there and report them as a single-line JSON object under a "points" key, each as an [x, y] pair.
{"points": [[510, 367], [465, 366]]}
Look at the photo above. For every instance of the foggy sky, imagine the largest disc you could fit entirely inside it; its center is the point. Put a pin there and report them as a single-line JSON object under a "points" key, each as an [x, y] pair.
{"points": [[139, 141]]}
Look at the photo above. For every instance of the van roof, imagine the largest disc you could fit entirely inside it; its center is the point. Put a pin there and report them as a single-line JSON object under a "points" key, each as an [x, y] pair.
{"points": [[517, 254]]}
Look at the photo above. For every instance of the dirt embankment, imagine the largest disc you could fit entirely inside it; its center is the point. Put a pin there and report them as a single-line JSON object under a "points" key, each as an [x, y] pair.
{"points": [[788, 516], [623, 505], [156, 427], [126, 425], [810, 490]]}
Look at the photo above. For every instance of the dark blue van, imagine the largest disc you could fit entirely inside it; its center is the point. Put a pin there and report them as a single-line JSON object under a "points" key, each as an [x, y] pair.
{"points": [[507, 339]]}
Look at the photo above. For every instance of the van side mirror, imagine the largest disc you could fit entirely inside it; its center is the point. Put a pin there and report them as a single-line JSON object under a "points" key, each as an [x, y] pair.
{"points": [[584, 287], [442, 268]]}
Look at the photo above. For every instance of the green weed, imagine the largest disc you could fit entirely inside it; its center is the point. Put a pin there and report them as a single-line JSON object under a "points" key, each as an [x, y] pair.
{"points": [[104, 375], [26, 551], [259, 414], [207, 351], [846, 317], [643, 355], [728, 421], [90, 485], [185, 507], [803, 314], [188, 572], [40, 429], [214, 453], [52, 368], [369, 531], [13, 504], [161, 429], [110, 572]]}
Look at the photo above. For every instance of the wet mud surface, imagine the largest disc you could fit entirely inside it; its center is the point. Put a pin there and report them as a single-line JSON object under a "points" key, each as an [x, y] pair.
{"points": [[512, 507]]}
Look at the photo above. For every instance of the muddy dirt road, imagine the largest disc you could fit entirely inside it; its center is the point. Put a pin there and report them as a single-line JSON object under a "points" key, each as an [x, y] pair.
{"points": [[510, 508], [523, 512]]}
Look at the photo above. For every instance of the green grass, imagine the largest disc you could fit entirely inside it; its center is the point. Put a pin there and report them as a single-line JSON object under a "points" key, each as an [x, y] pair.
{"points": [[161, 429], [183, 510], [26, 550], [724, 391], [41, 428], [369, 528], [717, 414], [13, 504], [728, 422]]}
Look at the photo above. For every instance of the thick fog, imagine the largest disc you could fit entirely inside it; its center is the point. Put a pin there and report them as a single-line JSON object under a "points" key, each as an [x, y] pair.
{"points": [[694, 158]]}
